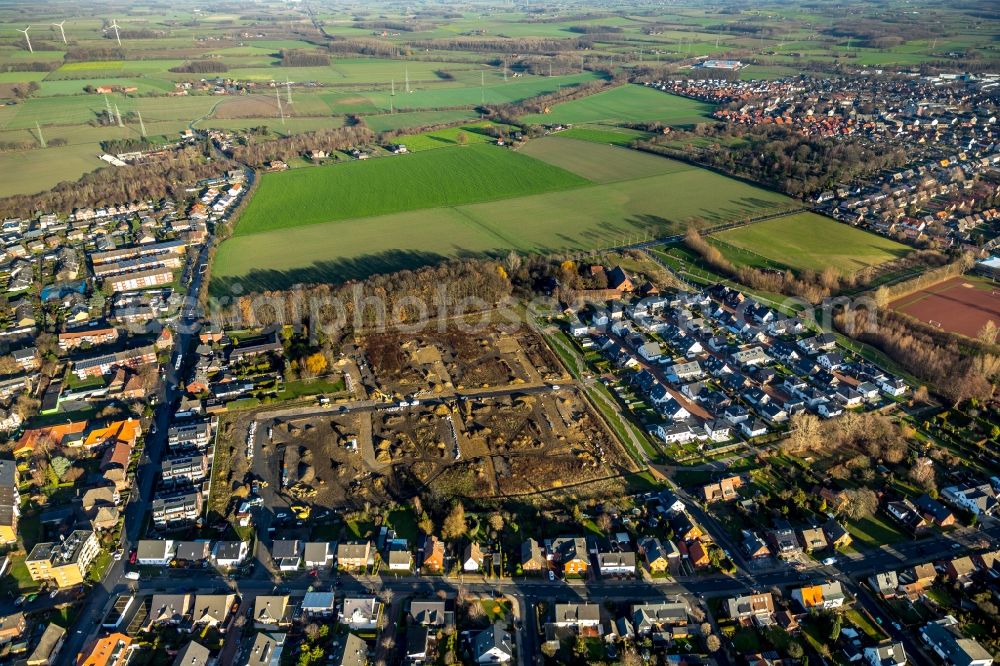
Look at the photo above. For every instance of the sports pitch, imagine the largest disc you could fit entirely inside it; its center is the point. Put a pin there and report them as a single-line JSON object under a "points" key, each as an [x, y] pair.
{"points": [[961, 305]]}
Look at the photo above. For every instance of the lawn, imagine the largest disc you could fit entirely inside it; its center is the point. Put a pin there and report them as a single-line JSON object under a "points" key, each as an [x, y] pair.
{"points": [[628, 103], [599, 162], [581, 218], [385, 185], [806, 241], [874, 531]]}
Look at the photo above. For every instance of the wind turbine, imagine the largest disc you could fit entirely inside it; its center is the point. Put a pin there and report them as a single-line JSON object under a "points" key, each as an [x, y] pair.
{"points": [[25, 31], [61, 31], [114, 26]]}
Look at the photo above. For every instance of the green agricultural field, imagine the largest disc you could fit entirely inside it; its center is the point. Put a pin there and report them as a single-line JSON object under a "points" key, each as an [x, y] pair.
{"points": [[628, 103], [395, 184], [618, 136], [444, 138], [386, 122], [806, 241], [580, 218], [37, 170], [600, 163]]}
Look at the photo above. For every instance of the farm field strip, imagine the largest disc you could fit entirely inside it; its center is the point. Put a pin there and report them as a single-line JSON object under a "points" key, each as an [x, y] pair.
{"points": [[598, 162], [627, 103], [807, 241], [397, 184], [586, 217]]}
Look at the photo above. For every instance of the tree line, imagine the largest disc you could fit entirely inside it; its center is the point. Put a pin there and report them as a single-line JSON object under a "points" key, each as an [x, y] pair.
{"points": [[201, 67], [301, 58], [959, 372], [776, 156], [289, 147], [165, 176], [404, 296]]}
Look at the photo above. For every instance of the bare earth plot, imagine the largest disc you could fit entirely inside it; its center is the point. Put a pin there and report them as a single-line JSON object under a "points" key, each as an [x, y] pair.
{"points": [[960, 305]]}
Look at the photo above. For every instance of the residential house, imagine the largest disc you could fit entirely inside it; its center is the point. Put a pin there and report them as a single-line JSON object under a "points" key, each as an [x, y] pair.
{"points": [[649, 617], [943, 637], [433, 553], [698, 554], [229, 554], [64, 563], [934, 511], [193, 654], [211, 610], [155, 552], [584, 617], [192, 552], [318, 604], [657, 558], [472, 557], [354, 555], [980, 500], [960, 570], [758, 608], [10, 501], [885, 583], [47, 650], [272, 611], [724, 490], [836, 534], [354, 652], [266, 649], [287, 554], [684, 528], [361, 613], [827, 595], [493, 646], [400, 558], [112, 650], [168, 609], [428, 613], [813, 538], [913, 581], [571, 554], [12, 627], [532, 558], [319, 554], [616, 563], [887, 654]]}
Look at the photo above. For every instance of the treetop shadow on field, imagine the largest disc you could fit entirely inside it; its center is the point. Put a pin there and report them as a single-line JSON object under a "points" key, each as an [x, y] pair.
{"points": [[333, 271]]}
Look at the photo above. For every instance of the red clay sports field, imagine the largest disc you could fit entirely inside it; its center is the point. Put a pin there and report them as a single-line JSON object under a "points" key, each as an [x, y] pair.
{"points": [[960, 305]]}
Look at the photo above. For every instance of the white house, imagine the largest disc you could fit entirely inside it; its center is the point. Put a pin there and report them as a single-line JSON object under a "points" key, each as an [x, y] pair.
{"points": [[753, 428], [155, 552], [718, 430], [319, 554], [893, 386], [361, 613], [672, 433], [493, 646], [889, 654], [229, 554]]}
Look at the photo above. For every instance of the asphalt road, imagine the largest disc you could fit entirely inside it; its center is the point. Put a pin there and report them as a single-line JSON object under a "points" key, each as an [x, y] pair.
{"points": [[100, 596]]}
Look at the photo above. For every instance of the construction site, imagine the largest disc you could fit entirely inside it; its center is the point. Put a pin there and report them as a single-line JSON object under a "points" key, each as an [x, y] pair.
{"points": [[491, 415]]}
